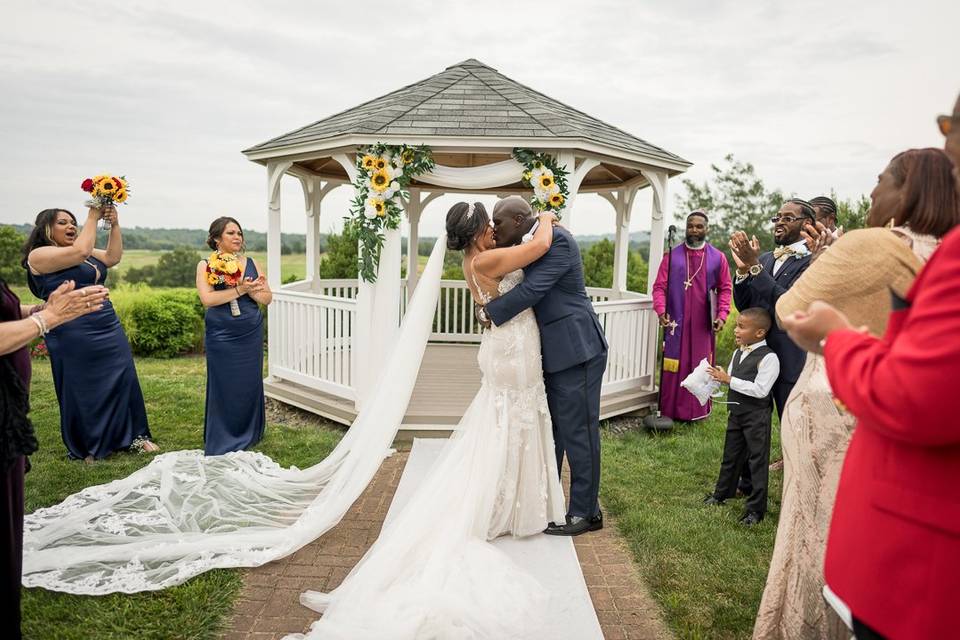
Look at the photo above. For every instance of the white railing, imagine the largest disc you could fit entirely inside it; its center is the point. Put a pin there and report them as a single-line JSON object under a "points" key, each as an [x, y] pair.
{"points": [[310, 338], [311, 327], [630, 326]]}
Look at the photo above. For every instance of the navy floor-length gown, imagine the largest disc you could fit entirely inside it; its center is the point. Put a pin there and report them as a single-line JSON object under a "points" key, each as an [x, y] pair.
{"points": [[234, 417], [101, 404]]}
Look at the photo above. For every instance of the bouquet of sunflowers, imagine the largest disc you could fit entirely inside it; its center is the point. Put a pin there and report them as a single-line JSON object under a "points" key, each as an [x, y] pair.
{"points": [[224, 268], [105, 191]]}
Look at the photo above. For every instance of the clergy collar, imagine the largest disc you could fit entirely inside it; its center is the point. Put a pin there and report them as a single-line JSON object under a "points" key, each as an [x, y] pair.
{"points": [[703, 245]]}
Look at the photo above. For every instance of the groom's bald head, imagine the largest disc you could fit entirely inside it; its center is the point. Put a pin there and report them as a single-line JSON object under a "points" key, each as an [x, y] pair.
{"points": [[512, 217]]}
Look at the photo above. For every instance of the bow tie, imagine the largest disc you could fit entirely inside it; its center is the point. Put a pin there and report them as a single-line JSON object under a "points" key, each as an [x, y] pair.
{"points": [[779, 252]]}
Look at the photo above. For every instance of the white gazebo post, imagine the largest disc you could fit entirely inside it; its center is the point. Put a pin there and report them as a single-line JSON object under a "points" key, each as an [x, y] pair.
{"points": [[413, 208], [312, 195], [622, 201], [658, 183], [575, 175], [275, 171]]}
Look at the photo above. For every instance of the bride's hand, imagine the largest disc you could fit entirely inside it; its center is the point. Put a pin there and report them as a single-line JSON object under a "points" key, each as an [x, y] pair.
{"points": [[549, 216]]}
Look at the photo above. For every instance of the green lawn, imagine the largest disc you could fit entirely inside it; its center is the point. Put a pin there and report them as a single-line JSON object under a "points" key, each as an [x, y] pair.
{"points": [[706, 570], [174, 390]]}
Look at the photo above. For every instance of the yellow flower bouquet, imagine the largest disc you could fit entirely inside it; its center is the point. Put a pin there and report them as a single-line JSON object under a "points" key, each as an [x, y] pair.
{"points": [[224, 268], [105, 191]]}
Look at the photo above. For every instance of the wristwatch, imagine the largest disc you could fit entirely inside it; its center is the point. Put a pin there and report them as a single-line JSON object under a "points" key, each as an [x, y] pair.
{"points": [[755, 269]]}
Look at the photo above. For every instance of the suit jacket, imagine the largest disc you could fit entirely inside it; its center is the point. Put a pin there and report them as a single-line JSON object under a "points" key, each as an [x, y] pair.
{"points": [[553, 286], [763, 291], [893, 551]]}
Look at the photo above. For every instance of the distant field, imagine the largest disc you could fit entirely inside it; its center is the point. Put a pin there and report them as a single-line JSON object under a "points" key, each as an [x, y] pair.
{"points": [[293, 264]]}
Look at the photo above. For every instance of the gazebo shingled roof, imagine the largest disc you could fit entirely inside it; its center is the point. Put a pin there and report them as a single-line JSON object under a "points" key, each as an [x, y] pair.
{"points": [[469, 99]]}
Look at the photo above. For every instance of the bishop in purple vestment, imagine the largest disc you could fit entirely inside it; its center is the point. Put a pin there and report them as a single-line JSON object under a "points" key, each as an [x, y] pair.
{"points": [[691, 296]]}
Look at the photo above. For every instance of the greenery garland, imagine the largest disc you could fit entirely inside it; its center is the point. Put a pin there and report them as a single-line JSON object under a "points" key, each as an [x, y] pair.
{"points": [[383, 174], [547, 179]]}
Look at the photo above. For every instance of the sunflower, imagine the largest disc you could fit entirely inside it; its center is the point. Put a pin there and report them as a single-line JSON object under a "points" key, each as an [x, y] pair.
{"points": [[212, 278], [556, 200], [368, 162], [380, 181], [408, 156], [379, 206], [380, 164], [107, 186], [545, 182], [120, 195]]}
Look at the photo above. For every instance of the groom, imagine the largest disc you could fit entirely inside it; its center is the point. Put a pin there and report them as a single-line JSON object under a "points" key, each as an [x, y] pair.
{"points": [[574, 354]]}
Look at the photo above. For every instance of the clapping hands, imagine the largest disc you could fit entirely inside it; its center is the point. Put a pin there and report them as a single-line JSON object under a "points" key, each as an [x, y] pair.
{"points": [[817, 238], [254, 285], [746, 252]]}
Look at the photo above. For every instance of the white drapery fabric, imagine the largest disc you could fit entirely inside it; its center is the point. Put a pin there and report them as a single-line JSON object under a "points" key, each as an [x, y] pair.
{"points": [[487, 176], [185, 513]]}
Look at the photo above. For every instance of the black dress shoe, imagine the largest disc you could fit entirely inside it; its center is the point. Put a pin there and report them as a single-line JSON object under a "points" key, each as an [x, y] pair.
{"points": [[751, 518], [712, 500], [576, 525]]}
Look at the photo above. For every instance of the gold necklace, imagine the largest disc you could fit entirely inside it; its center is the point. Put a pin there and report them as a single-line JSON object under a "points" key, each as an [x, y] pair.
{"points": [[689, 281]]}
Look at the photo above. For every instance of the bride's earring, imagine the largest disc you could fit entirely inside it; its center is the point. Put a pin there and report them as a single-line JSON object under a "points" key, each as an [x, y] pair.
{"points": [[891, 223]]}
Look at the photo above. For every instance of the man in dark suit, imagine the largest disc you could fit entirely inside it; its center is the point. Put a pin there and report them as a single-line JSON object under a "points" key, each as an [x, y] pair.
{"points": [[574, 354], [760, 281], [762, 278]]}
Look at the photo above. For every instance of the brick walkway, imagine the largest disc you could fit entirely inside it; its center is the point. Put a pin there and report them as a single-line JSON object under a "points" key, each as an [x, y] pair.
{"points": [[269, 606]]}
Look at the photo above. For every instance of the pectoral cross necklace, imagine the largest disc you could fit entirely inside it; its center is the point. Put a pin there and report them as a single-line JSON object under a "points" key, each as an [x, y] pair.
{"points": [[689, 280]]}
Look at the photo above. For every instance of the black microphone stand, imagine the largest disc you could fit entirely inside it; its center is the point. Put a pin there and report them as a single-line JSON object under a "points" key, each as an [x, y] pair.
{"points": [[660, 422]]}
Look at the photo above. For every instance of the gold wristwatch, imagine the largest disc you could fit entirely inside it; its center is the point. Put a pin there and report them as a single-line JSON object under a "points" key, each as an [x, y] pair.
{"points": [[755, 270]]}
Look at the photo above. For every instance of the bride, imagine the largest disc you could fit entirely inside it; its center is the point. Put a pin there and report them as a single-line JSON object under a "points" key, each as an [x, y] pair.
{"points": [[431, 573]]}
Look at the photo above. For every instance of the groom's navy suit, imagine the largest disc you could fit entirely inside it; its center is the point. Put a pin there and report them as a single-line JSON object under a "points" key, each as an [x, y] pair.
{"points": [[574, 359]]}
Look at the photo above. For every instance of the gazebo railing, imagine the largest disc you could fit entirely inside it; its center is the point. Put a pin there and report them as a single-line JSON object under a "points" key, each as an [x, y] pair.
{"points": [[311, 326], [310, 341]]}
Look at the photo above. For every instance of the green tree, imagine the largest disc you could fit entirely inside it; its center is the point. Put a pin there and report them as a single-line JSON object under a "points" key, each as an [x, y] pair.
{"points": [[11, 244], [177, 268], [852, 214], [598, 267], [340, 260]]}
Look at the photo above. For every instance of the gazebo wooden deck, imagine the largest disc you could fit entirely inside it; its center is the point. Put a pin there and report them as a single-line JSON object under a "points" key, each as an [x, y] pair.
{"points": [[328, 337]]}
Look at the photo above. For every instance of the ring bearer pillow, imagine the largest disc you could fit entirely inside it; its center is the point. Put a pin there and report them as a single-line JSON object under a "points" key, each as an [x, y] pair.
{"points": [[700, 384]]}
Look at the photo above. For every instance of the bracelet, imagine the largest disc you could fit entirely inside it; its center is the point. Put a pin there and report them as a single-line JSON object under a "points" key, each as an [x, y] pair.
{"points": [[41, 324], [236, 288]]}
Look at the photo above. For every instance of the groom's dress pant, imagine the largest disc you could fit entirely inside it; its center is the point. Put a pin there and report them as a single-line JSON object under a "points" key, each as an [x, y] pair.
{"points": [[574, 399]]}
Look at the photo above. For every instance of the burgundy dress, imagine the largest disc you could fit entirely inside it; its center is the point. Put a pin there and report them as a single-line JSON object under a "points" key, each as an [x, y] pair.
{"points": [[11, 493]]}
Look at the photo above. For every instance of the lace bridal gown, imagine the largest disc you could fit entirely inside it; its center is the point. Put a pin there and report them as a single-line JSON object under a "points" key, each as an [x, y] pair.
{"points": [[432, 573]]}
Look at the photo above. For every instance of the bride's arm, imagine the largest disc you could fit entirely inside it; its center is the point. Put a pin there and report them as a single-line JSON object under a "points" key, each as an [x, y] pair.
{"points": [[499, 262]]}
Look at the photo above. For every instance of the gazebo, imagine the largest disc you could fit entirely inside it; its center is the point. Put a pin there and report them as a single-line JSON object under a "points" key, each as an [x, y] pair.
{"points": [[327, 337]]}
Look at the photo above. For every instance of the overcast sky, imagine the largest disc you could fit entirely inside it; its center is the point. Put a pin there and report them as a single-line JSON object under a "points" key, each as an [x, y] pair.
{"points": [[818, 95]]}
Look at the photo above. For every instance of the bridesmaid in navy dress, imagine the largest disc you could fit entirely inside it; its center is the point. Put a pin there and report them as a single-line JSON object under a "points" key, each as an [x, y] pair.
{"points": [[101, 404], [234, 417]]}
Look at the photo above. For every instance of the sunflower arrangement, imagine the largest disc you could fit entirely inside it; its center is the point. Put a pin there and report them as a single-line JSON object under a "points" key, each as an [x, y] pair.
{"points": [[547, 179], [106, 190], [383, 174], [224, 268]]}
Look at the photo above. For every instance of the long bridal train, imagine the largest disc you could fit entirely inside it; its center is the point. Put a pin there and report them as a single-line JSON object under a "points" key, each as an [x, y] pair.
{"points": [[184, 513]]}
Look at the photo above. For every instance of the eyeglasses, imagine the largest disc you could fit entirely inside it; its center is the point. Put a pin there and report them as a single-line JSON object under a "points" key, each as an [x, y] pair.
{"points": [[946, 123], [786, 219]]}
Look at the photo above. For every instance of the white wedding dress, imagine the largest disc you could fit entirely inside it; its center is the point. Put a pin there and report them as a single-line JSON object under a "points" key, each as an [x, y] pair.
{"points": [[431, 574]]}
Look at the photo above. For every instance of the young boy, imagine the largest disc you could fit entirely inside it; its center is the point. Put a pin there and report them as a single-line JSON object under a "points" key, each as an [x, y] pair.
{"points": [[753, 370]]}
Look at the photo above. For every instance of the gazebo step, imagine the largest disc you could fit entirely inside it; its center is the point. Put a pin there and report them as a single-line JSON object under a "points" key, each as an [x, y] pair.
{"points": [[617, 404], [322, 404]]}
